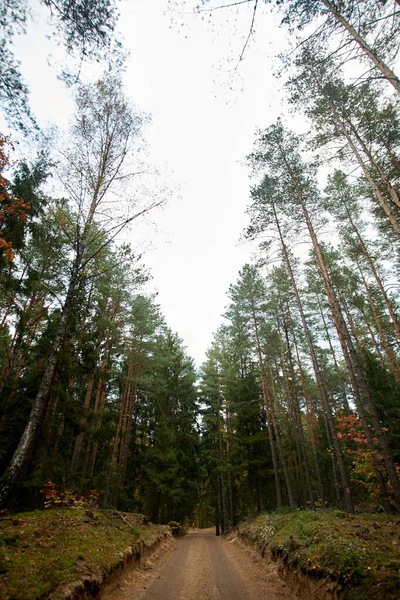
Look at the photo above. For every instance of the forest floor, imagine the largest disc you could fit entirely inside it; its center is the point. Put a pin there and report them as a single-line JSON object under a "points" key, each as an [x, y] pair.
{"points": [[75, 552], [61, 553], [329, 554]]}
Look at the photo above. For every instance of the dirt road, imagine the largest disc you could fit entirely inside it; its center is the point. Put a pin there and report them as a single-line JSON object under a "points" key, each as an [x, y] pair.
{"points": [[201, 566]]}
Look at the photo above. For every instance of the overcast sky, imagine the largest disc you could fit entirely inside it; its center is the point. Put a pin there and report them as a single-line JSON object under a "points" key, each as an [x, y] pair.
{"points": [[204, 118]]}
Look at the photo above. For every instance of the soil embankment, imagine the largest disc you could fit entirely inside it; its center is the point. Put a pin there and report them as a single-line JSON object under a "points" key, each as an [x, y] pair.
{"points": [[72, 553]]}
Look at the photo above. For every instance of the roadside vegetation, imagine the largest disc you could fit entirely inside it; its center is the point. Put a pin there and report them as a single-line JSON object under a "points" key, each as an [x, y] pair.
{"points": [[298, 401], [358, 554], [68, 550]]}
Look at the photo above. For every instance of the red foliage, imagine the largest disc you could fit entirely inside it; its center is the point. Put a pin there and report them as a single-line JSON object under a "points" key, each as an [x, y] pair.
{"points": [[351, 435], [50, 492], [54, 498], [11, 207]]}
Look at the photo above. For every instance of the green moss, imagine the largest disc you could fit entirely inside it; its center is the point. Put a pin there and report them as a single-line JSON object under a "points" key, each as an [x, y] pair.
{"points": [[42, 550], [360, 552]]}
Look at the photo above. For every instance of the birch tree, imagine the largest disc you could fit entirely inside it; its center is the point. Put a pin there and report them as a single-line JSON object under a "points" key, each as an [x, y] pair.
{"points": [[102, 137]]}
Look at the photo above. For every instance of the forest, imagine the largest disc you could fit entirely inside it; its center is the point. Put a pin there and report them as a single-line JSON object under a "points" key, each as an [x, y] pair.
{"points": [[298, 402]]}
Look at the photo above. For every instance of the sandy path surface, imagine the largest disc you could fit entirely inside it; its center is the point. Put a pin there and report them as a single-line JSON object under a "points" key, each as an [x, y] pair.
{"points": [[201, 566]]}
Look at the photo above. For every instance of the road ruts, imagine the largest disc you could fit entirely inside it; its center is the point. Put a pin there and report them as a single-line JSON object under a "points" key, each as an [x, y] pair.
{"points": [[199, 569], [205, 567]]}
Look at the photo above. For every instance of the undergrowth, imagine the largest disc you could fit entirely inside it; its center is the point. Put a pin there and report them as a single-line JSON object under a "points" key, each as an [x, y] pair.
{"points": [[361, 553], [42, 550]]}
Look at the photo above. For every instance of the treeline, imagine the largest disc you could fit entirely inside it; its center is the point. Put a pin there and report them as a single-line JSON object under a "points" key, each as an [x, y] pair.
{"points": [[97, 395], [120, 414], [300, 392], [96, 392], [301, 384]]}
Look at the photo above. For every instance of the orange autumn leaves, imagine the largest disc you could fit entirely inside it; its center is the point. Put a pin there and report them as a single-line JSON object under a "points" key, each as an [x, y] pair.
{"points": [[12, 208], [351, 435]]}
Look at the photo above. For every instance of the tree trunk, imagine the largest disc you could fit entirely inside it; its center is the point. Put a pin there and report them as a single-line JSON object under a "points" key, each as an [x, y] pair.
{"points": [[372, 335], [350, 355], [79, 439], [224, 520], [335, 362], [117, 442], [353, 364], [22, 454], [310, 421], [217, 507], [268, 416], [269, 419], [270, 412], [378, 194], [127, 427], [228, 450], [374, 272], [394, 366], [297, 424], [378, 169], [318, 376], [383, 68]]}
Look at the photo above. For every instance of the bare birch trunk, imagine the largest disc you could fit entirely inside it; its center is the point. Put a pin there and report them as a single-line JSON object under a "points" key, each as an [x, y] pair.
{"points": [[24, 450]]}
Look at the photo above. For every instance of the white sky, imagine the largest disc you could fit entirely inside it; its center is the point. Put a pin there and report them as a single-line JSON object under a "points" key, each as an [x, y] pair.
{"points": [[204, 118]]}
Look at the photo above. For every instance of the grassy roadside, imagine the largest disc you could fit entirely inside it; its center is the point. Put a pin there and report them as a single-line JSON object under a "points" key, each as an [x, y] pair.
{"points": [[44, 551], [361, 553]]}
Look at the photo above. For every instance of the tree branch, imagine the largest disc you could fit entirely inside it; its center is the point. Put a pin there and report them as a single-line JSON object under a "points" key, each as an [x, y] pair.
{"points": [[200, 10], [119, 228], [251, 31]]}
